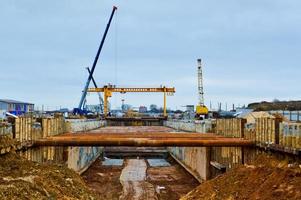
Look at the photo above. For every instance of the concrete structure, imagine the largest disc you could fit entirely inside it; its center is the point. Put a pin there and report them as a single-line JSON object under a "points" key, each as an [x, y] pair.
{"points": [[15, 107], [196, 160], [80, 158], [190, 126]]}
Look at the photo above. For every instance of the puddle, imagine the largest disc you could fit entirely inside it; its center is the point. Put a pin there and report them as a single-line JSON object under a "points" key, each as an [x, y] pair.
{"points": [[158, 163], [112, 162]]}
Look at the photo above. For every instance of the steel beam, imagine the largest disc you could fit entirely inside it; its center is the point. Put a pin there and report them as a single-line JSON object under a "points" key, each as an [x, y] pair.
{"points": [[149, 139]]}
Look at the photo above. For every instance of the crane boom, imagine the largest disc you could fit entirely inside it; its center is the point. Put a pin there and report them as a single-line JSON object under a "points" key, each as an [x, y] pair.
{"points": [[84, 94]]}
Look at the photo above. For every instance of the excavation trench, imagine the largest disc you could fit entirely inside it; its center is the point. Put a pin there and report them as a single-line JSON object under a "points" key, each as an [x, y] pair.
{"points": [[138, 173], [138, 178]]}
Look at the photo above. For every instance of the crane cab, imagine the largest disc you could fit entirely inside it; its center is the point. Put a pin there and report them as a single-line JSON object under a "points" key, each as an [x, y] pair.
{"points": [[201, 112]]}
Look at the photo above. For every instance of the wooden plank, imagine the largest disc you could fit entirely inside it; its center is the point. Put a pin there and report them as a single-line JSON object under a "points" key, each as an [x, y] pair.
{"points": [[17, 129]]}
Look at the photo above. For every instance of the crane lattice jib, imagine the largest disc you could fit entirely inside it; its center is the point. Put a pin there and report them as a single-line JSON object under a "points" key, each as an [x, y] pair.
{"points": [[200, 83]]}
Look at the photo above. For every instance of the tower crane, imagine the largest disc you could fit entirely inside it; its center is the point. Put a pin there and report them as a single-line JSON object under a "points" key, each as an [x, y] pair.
{"points": [[201, 109]]}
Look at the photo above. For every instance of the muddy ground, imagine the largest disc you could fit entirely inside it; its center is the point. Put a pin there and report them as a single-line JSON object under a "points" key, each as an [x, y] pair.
{"points": [[266, 179], [137, 180]]}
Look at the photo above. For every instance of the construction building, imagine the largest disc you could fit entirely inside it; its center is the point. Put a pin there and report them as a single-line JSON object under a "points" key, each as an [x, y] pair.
{"points": [[15, 107]]}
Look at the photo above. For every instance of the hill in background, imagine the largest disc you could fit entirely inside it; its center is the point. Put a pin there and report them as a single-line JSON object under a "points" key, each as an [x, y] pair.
{"points": [[276, 105]]}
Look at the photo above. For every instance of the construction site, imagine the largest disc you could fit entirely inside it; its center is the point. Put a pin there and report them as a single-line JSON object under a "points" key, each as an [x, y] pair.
{"points": [[161, 153]]}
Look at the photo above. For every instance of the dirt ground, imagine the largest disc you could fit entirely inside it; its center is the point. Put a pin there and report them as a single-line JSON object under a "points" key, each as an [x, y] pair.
{"points": [[137, 180], [23, 179], [265, 179], [174, 179], [104, 180]]}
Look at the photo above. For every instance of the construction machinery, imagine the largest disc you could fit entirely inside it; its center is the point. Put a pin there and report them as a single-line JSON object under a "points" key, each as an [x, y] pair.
{"points": [[99, 95], [201, 109], [109, 89], [80, 109]]}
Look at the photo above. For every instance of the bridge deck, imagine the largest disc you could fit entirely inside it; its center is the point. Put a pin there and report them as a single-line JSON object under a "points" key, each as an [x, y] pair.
{"points": [[140, 137]]}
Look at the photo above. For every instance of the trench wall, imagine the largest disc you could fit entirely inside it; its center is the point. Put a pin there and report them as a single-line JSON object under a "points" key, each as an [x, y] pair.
{"points": [[80, 158], [270, 136], [18, 134], [196, 160]]}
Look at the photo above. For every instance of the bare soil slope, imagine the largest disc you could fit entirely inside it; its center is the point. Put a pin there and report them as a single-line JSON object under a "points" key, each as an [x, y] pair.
{"points": [[266, 179], [23, 179]]}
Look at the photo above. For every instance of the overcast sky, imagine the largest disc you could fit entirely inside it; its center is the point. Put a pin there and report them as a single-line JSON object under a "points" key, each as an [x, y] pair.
{"points": [[250, 50]]}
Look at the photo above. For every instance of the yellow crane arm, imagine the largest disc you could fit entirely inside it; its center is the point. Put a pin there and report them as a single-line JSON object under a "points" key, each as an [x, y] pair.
{"points": [[124, 90], [108, 90]]}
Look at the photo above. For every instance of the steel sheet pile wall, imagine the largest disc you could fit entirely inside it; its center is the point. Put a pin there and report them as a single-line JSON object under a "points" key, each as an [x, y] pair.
{"points": [[229, 157], [5, 137], [268, 133], [290, 136], [45, 154], [28, 128], [5, 129], [272, 133], [265, 131]]}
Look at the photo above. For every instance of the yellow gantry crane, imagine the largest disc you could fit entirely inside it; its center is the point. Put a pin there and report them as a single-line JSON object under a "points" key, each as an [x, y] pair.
{"points": [[109, 89]]}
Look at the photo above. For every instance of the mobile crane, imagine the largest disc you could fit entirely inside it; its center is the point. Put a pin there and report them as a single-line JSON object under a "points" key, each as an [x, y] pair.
{"points": [[80, 109]]}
